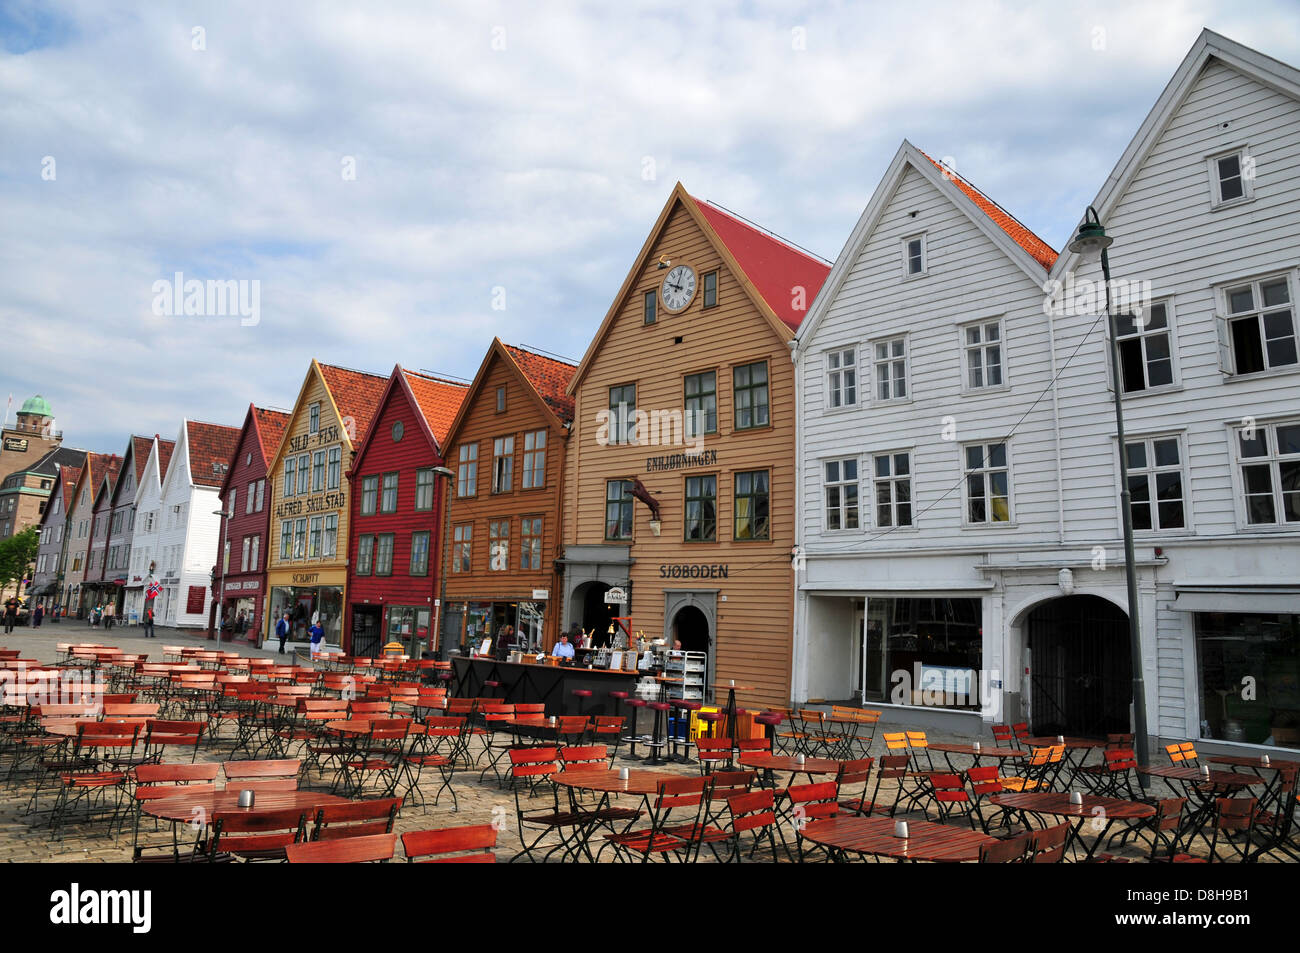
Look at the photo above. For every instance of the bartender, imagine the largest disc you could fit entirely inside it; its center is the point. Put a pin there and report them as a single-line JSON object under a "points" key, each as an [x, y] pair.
{"points": [[563, 649]]}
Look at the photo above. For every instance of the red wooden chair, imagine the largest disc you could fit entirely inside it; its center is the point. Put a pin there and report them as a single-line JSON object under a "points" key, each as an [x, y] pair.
{"points": [[1009, 851], [356, 819], [153, 782], [98, 745], [367, 849], [675, 798], [805, 803], [280, 775], [160, 735], [854, 774], [452, 845], [1233, 816], [1048, 845], [254, 837]]}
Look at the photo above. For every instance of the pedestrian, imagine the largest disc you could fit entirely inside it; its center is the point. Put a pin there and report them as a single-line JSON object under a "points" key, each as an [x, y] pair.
{"points": [[282, 630], [38, 615], [317, 637], [11, 613], [148, 622], [110, 615]]}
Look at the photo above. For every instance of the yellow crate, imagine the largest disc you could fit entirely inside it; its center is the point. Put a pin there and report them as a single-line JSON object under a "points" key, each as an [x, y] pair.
{"points": [[699, 727]]}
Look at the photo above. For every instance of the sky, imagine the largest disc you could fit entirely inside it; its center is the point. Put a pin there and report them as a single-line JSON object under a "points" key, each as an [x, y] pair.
{"points": [[405, 180]]}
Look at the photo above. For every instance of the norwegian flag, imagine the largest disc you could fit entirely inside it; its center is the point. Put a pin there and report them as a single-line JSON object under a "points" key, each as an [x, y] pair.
{"points": [[153, 590]]}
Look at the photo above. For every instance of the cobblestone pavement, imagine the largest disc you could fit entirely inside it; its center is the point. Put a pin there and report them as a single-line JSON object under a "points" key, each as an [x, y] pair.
{"points": [[24, 839]]}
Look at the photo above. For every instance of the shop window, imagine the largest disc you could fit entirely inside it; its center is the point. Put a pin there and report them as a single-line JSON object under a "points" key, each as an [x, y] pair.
{"points": [[1261, 650]]}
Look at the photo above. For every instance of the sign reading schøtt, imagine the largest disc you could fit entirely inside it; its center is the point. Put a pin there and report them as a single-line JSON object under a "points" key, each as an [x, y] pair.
{"points": [[305, 578], [617, 596]]}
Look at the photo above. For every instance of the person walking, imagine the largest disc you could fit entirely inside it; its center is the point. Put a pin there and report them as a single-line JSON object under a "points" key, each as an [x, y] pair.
{"points": [[282, 630], [317, 637], [37, 616], [11, 613], [148, 622], [110, 615]]}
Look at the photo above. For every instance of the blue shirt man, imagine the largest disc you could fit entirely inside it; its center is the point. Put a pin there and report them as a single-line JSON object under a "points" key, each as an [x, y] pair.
{"points": [[562, 648]]}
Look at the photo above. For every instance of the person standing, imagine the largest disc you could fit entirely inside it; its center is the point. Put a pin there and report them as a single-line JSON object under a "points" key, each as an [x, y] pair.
{"points": [[110, 615], [317, 635], [37, 616], [11, 613], [282, 630], [148, 621]]}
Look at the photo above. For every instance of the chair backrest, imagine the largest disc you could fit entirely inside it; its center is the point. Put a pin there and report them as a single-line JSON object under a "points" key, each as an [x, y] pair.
{"points": [[1119, 741], [389, 729], [917, 739], [1009, 851], [589, 755], [369, 708], [755, 810], [681, 792], [155, 781], [1119, 760], [533, 762], [753, 744], [571, 724], [1048, 845], [727, 783], [607, 724], [895, 740], [1234, 813], [261, 834], [984, 780], [480, 838], [370, 848], [282, 768], [892, 766], [1183, 753], [709, 750], [1169, 813], [949, 789], [107, 734], [811, 802], [856, 771], [356, 818], [1002, 734], [181, 734], [443, 726]]}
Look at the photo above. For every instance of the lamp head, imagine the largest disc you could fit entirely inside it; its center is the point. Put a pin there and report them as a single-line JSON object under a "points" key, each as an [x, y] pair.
{"points": [[1092, 239]]}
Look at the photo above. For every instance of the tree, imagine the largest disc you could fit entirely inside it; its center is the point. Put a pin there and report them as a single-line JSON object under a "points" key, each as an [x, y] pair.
{"points": [[17, 554]]}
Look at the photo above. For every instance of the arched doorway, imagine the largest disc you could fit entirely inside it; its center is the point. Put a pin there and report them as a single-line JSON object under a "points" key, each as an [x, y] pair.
{"points": [[691, 628], [1081, 674], [597, 616]]}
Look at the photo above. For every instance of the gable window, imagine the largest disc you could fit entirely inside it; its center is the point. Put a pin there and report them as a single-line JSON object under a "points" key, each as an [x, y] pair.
{"points": [[335, 458], [503, 464], [1155, 483], [290, 480], [1145, 355], [1261, 326], [369, 495], [1269, 457], [893, 473], [424, 489], [891, 369], [243, 554], [701, 524], [988, 483], [304, 473], [318, 471], [622, 405], [1230, 181], [250, 500], [467, 470], [751, 505], [420, 554], [841, 378], [313, 538], [299, 539], [701, 392], [841, 487], [388, 498], [534, 460], [750, 394], [254, 554], [384, 554], [983, 346], [313, 418], [914, 257], [462, 542], [501, 400], [365, 555], [330, 545], [530, 542], [498, 545], [710, 289], [618, 509], [649, 315]]}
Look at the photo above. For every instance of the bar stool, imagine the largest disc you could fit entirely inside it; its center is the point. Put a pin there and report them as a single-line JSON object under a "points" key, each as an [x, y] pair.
{"points": [[684, 709], [634, 708], [490, 686], [656, 742], [581, 694], [619, 698]]}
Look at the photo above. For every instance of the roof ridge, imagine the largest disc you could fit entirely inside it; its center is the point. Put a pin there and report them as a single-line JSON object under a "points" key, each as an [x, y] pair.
{"points": [[545, 355], [764, 230], [352, 370]]}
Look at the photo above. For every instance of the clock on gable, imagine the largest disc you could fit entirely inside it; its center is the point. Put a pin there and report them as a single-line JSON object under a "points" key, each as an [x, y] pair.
{"points": [[678, 288]]}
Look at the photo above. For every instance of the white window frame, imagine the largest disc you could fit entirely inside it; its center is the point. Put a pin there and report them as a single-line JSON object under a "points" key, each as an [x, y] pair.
{"points": [[1225, 317], [892, 479], [964, 348], [838, 371], [1171, 330], [904, 243], [876, 399], [856, 482], [985, 469], [1238, 478], [1187, 529], [1217, 201]]}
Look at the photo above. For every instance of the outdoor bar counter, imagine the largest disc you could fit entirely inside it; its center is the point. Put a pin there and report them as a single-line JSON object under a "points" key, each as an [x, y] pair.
{"points": [[553, 685]]}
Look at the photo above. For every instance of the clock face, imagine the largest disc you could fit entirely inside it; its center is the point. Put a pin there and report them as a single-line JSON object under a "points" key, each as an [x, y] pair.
{"points": [[678, 288]]}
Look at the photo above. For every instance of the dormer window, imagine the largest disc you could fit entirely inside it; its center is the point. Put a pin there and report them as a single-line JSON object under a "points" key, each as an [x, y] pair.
{"points": [[1231, 178], [915, 261]]}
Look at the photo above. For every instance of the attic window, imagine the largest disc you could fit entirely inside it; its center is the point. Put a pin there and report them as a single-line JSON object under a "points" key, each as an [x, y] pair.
{"points": [[711, 289], [914, 256], [501, 400], [1231, 178], [313, 425], [650, 304]]}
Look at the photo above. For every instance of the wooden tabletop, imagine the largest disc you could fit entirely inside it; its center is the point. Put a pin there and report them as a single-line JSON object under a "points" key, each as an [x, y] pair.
{"points": [[185, 807], [778, 762], [989, 752], [1058, 803], [875, 835], [639, 780], [1048, 741], [1242, 761], [738, 688], [1224, 779]]}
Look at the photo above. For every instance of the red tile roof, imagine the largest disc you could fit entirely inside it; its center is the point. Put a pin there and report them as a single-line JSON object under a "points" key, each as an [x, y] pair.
{"points": [[96, 465], [69, 476], [438, 400], [139, 456], [210, 446], [271, 425], [774, 267], [165, 450], [110, 473], [550, 378], [357, 395], [1038, 249]]}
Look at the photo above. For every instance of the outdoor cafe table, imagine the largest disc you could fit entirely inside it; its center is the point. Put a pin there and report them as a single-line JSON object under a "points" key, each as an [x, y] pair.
{"points": [[1277, 765], [597, 780], [926, 841], [1202, 790], [1106, 810], [777, 762], [1002, 754], [1076, 749]]}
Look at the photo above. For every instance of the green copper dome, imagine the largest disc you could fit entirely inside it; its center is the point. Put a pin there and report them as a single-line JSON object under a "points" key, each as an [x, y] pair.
{"points": [[37, 405]]}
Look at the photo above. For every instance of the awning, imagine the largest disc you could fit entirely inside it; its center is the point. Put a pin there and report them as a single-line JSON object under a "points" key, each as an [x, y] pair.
{"points": [[1238, 599]]}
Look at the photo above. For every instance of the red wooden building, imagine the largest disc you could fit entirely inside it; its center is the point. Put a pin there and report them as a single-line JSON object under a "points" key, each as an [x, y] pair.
{"points": [[396, 515], [245, 527]]}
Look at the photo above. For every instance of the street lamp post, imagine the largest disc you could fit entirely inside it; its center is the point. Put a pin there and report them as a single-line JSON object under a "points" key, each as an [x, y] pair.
{"points": [[442, 575], [225, 556], [1091, 242]]}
